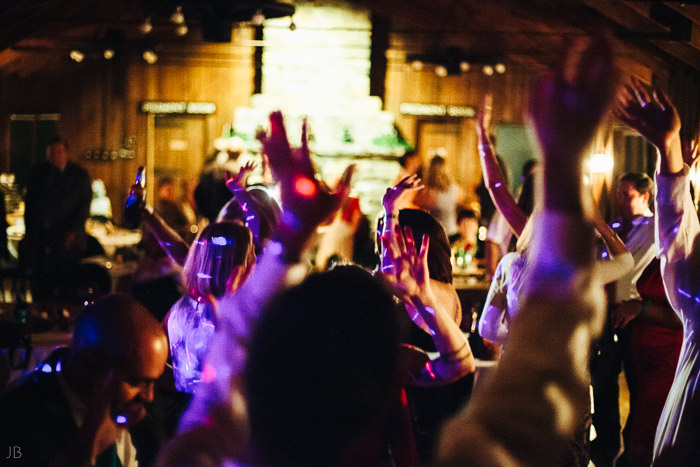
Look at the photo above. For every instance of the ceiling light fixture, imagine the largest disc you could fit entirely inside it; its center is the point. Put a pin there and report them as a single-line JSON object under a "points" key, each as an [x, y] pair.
{"points": [[77, 55], [417, 65], [441, 71], [108, 53], [500, 68], [177, 17], [182, 30], [464, 66], [487, 70], [146, 27], [150, 56], [258, 18]]}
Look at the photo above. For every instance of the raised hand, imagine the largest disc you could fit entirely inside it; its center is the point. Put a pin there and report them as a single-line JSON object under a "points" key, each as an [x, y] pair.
{"points": [[410, 183], [239, 181], [483, 120], [649, 112], [566, 106], [690, 152], [306, 201]]}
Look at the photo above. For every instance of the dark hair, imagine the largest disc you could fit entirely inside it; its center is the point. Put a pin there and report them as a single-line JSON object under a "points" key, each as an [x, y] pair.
{"points": [[403, 160], [528, 167], [322, 367], [641, 181], [439, 252], [58, 140], [526, 201], [464, 213]]}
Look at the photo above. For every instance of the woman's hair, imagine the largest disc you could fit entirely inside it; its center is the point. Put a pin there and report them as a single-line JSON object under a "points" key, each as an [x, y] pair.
{"points": [[438, 177], [214, 254], [439, 251]]}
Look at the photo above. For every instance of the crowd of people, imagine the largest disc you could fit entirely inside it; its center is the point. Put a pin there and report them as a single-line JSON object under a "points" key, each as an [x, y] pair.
{"points": [[253, 359]]}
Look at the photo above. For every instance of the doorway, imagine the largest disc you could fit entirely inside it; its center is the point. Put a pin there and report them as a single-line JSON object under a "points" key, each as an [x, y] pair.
{"points": [[181, 144]]}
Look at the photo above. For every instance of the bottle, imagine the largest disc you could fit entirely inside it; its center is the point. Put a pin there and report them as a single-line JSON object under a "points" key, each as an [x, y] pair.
{"points": [[132, 208]]}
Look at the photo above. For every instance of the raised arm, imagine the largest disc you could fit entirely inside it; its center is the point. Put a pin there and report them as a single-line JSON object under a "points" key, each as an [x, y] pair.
{"points": [[169, 240], [621, 260], [218, 409], [653, 115], [411, 281], [493, 176], [538, 394]]}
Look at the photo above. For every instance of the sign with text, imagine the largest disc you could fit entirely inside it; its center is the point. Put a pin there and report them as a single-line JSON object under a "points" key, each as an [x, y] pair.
{"points": [[189, 108], [436, 110]]}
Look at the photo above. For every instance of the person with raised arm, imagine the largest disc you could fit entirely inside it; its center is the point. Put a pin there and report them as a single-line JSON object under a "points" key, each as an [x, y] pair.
{"points": [[528, 411], [651, 113]]}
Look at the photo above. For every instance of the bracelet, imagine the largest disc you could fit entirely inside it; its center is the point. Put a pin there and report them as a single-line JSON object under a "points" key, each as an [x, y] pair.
{"points": [[645, 309], [451, 357]]}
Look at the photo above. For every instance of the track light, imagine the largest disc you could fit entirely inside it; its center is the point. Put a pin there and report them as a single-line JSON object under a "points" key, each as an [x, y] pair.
{"points": [[177, 17], [500, 68], [146, 27], [108, 53], [441, 71], [487, 70], [464, 66], [258, 18], [77, 55]]}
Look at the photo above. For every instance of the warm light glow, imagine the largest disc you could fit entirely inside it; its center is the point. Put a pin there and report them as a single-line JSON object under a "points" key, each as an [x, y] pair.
{"points": [[305, 187], [441, 71], [500, 68], [177, 17], [146, 27], [77, 55], [108, 53], [182, 30], [258, 18], [417, 65], [464, 66], [488, 70], [600, 163], [150, 56]]}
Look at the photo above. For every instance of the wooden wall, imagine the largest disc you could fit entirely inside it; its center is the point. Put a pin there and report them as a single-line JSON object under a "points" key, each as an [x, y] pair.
{"points": [[98, 101]]}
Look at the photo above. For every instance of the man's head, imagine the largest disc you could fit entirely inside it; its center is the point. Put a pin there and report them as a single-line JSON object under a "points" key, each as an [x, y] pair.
{"points": [[121, 348], [57, 153], [633, 194], [467, 224], [322, 366], [165, 188]]}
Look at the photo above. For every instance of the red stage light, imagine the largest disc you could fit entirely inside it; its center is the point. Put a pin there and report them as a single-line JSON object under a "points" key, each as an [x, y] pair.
{"points": [[305, 187]]}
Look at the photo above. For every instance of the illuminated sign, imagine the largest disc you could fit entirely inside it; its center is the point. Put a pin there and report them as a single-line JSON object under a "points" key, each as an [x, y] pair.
{"points": [[436, 110], [191, 108]]}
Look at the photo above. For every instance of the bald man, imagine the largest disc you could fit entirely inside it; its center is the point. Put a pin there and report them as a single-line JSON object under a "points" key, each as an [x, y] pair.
{"points": [[79, 410]]}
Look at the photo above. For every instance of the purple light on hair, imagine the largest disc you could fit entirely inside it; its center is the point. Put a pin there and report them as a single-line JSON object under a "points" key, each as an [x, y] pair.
{"points": [[46, 368], [121, 419], [221, 241]]}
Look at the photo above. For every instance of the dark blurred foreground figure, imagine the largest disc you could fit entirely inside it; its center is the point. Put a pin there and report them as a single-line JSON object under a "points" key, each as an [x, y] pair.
{"points": [[80, 409], [57, 204], [677, 441]]}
